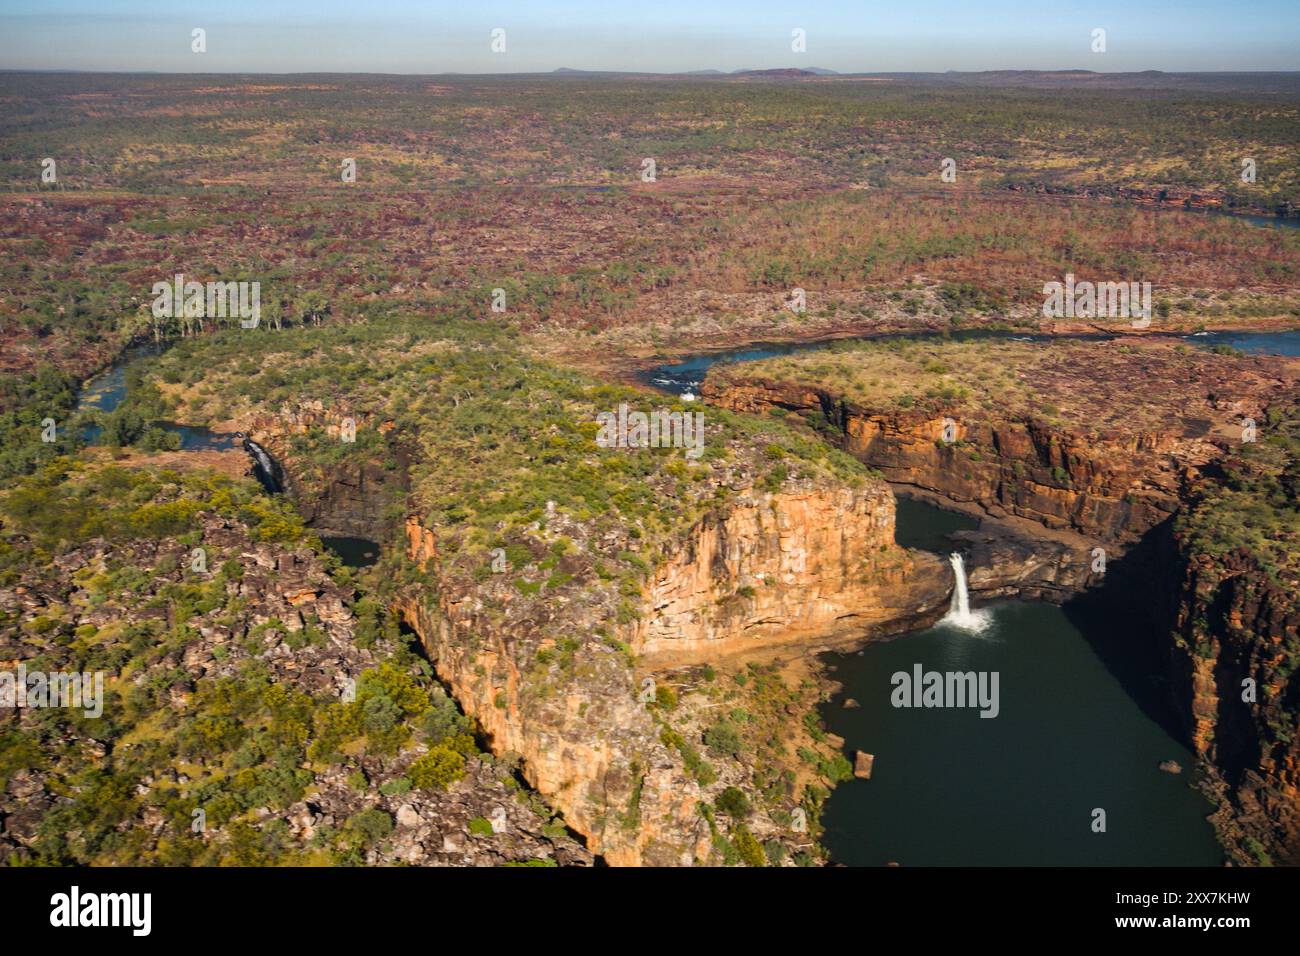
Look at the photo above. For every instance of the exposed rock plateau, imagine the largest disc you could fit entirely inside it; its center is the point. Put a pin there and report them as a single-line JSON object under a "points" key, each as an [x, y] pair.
{"points": [[298, 625]]}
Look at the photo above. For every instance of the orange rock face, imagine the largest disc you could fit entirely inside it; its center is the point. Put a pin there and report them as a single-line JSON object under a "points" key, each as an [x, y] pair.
{"points": [[1114, 489], [780, 568], [421, 545], [800, 564]]}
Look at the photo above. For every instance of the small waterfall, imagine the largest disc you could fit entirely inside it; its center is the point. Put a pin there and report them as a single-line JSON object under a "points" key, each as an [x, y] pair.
{"points": [[264, 467], [959, 613]]}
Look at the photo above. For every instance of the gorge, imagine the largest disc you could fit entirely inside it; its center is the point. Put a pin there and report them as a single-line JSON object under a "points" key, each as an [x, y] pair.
{"points": [[1113, 498], [805, 563]]}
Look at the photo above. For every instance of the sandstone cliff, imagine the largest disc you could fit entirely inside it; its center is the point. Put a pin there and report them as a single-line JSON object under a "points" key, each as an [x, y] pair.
{"points": [[1237, 645], [804, 563], [780, 568], [1112, 488]]}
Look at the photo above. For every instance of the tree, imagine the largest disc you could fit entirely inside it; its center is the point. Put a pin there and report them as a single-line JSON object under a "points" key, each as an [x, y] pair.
{"points": [[750, 850], [722, 740], [438, 769], [312, 306], [733, 803]]}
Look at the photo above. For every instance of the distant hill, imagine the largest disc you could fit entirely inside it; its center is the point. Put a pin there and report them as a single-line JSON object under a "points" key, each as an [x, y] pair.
{"points": [[780, 73]]}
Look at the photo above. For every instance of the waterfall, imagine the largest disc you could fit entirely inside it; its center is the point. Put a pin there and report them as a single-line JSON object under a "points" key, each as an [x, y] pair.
{"points": [[264, 467], [959, 613]]}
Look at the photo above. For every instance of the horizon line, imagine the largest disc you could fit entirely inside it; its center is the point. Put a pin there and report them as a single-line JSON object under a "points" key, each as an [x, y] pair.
{"points": [[816, 73]]}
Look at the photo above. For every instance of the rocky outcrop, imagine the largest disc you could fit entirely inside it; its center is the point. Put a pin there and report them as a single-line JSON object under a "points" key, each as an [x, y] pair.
{"points": [[779, 568], [286, 621], [421, 545], [804, 563], [1006, 563], [862, 764], [1237, 639], [1111, 488]]}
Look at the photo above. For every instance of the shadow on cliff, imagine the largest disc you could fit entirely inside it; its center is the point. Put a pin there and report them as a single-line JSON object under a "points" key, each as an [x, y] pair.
{"points": [[1129, 621]]}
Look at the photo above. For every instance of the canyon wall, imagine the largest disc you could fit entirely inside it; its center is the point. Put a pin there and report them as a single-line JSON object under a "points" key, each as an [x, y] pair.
{"points": [[353, 497], [1237, 645], [1112, 489], [803, 563]]}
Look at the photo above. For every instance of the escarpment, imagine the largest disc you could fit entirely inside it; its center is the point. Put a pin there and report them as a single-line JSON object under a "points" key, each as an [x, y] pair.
{"points": [[1103, 439], [1111, 488], [778, 568], [805, 562], [585, 740]]}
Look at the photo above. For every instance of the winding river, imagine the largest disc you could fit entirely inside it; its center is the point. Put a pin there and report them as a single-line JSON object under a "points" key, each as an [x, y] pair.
{"points": [[686, 375]]}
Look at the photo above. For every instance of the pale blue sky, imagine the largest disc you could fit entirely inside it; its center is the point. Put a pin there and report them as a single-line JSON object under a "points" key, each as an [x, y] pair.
{"points": [[432, 36]]}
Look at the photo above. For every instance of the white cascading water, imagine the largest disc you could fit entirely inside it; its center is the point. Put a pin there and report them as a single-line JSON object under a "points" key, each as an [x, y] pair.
{"points": [[959, 613], [264, 460]]}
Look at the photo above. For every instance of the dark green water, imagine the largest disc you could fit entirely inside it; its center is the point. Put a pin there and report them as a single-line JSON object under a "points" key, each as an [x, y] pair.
{"points": [[950, 788], [354, 552], [920, 525]]}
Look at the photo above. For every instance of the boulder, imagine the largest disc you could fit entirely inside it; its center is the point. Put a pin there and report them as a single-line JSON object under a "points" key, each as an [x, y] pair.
{"points": [[862, 762]]}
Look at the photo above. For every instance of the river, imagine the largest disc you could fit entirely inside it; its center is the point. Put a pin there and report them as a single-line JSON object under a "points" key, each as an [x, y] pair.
{"points": [[686, 375], [105, 391]]}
